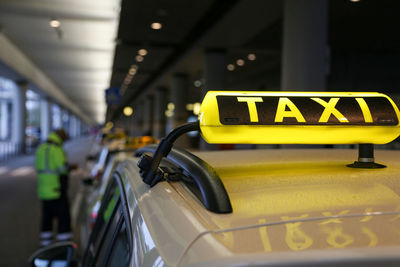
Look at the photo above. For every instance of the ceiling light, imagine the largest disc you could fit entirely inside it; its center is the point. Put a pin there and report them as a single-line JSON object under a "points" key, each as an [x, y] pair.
{"points": [[169, 113], [171, 106], [196, 108], [354, 1], [230, 67], [251, 56], [54, 23], [156, 25], [128, 80], [197, 83], [189, 107], [142, 52], [139, 58], [132, 71], [128, 111], [240, 62], [109, 125]]}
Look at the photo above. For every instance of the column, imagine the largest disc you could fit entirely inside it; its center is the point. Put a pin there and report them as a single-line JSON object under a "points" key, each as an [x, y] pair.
{"points": [[178, 99], [45, 118], [305, 52], [78, 127], [148, 115], [214, 79], [160, 106], [65, 120], [72, 126], [138, 117], [214, 70], [19, 117], [56, 116], [3, 120]]}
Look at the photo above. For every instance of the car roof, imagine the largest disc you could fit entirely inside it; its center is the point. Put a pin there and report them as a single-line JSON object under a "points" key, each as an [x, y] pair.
{"points": [[288, 181], [284, 200]]}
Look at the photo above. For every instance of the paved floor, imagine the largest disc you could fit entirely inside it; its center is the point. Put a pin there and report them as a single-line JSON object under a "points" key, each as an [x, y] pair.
{"points": [[19, 207]]}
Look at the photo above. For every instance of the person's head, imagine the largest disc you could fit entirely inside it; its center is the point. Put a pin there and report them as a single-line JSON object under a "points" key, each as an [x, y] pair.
{"points": [[62, 134]]}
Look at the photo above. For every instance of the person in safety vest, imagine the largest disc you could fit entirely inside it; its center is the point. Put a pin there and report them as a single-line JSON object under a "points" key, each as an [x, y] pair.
{"points": [[52, 170]]}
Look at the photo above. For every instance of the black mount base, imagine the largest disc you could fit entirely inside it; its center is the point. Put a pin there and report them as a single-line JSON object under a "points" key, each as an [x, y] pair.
{"points": [[366, 165], [366, 158]]}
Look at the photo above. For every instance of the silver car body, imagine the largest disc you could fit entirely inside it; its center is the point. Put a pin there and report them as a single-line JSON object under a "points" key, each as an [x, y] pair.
{"points": [[290, 207]]}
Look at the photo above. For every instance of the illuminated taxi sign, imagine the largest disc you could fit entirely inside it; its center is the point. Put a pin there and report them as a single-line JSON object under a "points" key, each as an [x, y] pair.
{"points": [[298, 110], [298, 118]]}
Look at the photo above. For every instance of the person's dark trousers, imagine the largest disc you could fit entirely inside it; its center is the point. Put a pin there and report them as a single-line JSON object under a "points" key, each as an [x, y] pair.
{"points": [[59, 209]]}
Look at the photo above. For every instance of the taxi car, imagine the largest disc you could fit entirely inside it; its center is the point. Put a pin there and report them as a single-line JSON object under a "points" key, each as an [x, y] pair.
{"points": [[285, 207], [88, 200]]}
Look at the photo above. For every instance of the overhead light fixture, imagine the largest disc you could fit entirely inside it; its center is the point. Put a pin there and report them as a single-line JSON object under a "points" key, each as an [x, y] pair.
{"points": [[171, 106], [189, 107], [354, 1], [142, 52], [139, 58], [109, 125], [230, 67], [156, 25], [240, 62], [196, 108], [54, 23], [132, 71], [197, 83], [128, 111], [251, 56], [169, 113]]}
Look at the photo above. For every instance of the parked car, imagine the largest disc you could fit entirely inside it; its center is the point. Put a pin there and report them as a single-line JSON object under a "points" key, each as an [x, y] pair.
{"points": [[88, 200], [265, 207]]}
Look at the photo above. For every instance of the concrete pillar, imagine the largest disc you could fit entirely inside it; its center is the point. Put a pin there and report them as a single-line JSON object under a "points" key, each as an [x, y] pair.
{"points": [[72, 126], [214, 79], [45, 118], [78, 127], [179, 89], [65, 117], [56, 117], [305, 52], [4, 120], [138, 110], [214, 70], [19, 117], [178, 97], [160, 106], [148, 115]]}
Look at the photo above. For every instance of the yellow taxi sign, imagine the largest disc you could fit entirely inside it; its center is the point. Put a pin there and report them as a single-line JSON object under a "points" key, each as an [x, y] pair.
{"points": [[298, 118]]}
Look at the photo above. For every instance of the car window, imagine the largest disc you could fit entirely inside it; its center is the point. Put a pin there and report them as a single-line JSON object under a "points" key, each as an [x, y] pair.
{"points": [[107, 240], [120, 253], [109, 206], [106, 214]]}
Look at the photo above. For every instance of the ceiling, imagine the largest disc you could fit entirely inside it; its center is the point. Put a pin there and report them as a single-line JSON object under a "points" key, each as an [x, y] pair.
{"points": [[101, 39], [189, 28], [364, 31], [76, 58]]}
